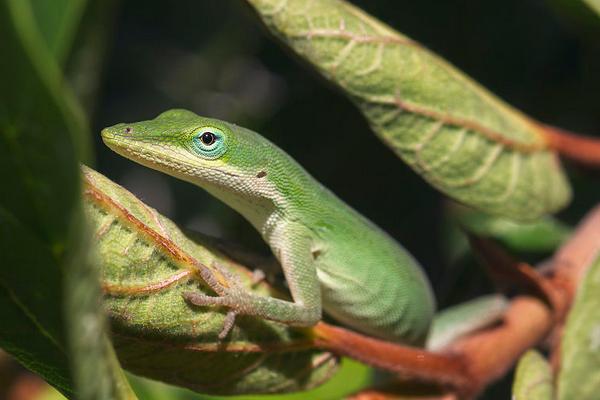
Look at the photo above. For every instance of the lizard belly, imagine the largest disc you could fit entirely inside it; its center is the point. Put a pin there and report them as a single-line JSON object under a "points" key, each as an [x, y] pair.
{"points": [[391, 301]]}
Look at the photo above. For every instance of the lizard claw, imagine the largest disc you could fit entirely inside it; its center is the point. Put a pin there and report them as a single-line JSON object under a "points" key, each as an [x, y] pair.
{"points": [[227, 324]]}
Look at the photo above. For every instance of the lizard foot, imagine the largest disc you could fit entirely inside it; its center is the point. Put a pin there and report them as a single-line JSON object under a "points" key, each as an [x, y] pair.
{"points": [[198, 299]]}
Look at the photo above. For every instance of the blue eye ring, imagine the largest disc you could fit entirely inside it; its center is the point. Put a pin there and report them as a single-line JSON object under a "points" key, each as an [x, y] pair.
{"points": [[209, 142]]}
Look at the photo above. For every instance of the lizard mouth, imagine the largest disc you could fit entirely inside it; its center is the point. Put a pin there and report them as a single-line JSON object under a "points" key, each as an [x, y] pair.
{"points": [[127, 147]]}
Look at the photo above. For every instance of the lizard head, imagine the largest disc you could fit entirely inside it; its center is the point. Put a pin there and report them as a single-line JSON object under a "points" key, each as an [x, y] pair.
{"points": [[229, 161]]}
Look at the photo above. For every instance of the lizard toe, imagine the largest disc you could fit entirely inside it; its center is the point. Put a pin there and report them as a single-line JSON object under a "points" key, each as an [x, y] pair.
{"points": [[200, 299]]}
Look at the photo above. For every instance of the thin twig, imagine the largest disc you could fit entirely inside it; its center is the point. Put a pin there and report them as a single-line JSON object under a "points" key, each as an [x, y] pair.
{"points": [[582, 149], [410, 362]]}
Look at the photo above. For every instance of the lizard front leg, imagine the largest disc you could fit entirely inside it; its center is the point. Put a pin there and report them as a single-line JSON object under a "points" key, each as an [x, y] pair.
{"points": [[293, 252]]}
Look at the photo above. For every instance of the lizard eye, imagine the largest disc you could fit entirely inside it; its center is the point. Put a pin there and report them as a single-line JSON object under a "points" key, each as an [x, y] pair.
{"points": [[208, 142], [208, 138]]}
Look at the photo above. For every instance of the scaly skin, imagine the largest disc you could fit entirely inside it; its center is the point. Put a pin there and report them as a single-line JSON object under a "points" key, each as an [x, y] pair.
{"points": [[333, 258]]}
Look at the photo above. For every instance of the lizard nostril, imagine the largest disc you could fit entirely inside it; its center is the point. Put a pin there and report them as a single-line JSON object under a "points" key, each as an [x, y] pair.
{"points": [[128, 130]]}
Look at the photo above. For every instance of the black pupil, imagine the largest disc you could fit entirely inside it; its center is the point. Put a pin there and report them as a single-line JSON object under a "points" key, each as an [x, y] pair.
{"points": [[208, 138]]}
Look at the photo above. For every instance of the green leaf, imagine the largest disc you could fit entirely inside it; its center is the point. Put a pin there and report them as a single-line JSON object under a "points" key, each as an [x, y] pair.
{"points": [[579, 376], [464, 319], [542, 235], [147, 264], [57, 21], [36, 210], [533, 378], [49, 295], [41, 131], [594, 5], [32, 330], [352, 376], [462, 139]]}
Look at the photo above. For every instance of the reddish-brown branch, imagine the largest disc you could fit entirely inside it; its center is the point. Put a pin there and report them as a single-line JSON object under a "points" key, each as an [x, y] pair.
{"points": [[583, 149], [503, 267], [467, 366], [571, 261], [491, 353], [410, 362], [395, 390]]}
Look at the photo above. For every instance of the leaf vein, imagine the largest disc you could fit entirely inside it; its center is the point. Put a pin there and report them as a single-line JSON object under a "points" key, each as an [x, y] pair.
{"points": [[480, 172], [473, 126], [428, 168]]}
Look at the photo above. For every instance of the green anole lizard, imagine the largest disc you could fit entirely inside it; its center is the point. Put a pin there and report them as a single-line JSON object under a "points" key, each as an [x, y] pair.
{"points": [[333, 258]]}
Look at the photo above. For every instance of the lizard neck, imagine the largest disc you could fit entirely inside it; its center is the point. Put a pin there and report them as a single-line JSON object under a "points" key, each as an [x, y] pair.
{"points": [[263, 212]]}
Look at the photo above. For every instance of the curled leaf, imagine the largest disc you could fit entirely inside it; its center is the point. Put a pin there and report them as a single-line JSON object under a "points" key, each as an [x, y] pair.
{"points": [[579, 376], [542, 235], [533, 378], [147, 265], [462, 139]]}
